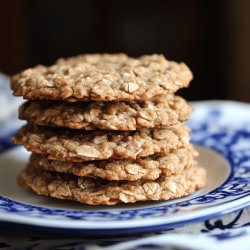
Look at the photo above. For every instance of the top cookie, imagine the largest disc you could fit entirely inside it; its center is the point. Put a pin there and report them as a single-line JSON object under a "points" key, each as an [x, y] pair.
{"points": [[102, 77]]}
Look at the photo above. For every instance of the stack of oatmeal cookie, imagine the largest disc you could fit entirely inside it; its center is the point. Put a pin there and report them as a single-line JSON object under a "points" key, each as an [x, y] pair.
{"points": [[106, 129]]}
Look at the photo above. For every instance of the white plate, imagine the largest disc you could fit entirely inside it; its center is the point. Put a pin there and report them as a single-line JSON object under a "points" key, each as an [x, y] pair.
{"points": [[228, 187]]}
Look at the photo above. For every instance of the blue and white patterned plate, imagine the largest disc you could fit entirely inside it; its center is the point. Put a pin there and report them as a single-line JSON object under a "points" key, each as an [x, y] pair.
{"points": [[222, 131]]}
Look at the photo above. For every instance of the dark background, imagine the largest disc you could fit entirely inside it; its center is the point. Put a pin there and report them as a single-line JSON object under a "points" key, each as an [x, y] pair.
{"points": [[212, 37]]}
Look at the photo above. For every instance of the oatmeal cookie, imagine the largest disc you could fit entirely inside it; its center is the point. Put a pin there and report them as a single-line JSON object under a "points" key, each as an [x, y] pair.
{"points": [[149, 168], [102, 77], [159, 112], [77, 145], [99, 191]]}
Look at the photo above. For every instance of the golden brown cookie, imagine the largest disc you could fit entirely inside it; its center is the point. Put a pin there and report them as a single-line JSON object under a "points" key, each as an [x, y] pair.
{"points": [[102, 77], [159, 112], [149, 168], [99, 191], [77, 146]]}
